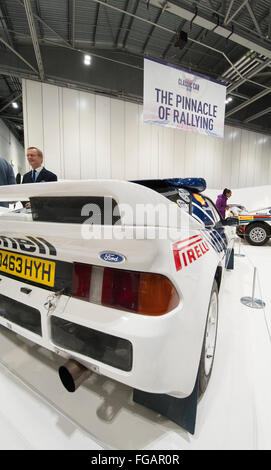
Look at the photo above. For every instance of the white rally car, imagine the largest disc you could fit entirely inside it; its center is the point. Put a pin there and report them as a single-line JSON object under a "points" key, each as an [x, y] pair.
{"points": [[86, 275]]}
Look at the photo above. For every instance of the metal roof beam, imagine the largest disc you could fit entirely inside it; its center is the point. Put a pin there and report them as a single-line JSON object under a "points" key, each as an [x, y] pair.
{"points": [[153, 28], [35, 41], [256, 24], [254, 72], [12, 127], [18, 55], [121, 24], [71, 21], [7, 84], [169, 45], [130, 24], [39, 14], [95, 25], [5, 25], [110, 26], [211, 25], [38, 18], [269, 22], [228, 12], [260, 114], [11, 98], [237, 11], [248, 102], [8, 116]]}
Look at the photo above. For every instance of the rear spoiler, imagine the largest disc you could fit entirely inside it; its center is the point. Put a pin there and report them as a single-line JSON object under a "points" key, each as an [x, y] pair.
{"points": [[130, 198]]}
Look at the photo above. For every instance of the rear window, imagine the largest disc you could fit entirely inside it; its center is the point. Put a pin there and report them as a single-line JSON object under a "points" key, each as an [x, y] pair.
{"points": [[75, 210]]}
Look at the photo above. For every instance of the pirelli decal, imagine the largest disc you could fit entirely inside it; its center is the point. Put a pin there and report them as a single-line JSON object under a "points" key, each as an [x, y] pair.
{"points": [[189, 250]]}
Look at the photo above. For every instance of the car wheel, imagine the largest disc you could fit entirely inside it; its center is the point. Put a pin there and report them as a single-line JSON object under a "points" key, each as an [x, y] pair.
{"points": [[257, 234], [209, 341]]}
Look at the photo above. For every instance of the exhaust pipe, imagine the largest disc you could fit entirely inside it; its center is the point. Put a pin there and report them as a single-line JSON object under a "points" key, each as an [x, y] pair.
{"points": [[73, 374]]}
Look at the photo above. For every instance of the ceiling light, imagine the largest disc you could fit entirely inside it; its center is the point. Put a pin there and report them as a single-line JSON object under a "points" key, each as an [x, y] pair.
{"points": [[228, 100], [15, 105], [87, 59]]}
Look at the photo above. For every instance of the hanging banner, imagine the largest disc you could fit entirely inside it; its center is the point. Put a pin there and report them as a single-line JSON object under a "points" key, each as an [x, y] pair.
{"points": [[175, 97]]}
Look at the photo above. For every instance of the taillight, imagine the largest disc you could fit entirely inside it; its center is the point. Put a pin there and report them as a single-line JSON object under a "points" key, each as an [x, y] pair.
{"points": [[81, 278], [144, 293]]}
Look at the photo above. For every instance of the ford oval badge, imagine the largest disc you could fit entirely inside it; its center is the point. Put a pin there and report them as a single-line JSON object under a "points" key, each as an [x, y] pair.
{"points": [[111, 257]]}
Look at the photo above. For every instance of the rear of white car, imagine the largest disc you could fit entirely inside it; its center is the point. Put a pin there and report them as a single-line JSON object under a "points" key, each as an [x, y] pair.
{"points": [[129, 306]]}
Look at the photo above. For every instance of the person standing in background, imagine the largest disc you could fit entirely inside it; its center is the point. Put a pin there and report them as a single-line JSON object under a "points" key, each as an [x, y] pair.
{"points": [[38, 174], [6, 177], [18, 178], [221, 202], [6, 173]]}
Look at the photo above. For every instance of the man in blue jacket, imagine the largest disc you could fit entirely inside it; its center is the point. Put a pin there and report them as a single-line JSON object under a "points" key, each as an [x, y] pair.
{"points": [[6, 176], [38, 174], [6, 173]]}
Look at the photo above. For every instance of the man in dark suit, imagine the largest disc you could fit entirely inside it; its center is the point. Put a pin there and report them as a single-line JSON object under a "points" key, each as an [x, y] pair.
{"points": [[38, 174]]}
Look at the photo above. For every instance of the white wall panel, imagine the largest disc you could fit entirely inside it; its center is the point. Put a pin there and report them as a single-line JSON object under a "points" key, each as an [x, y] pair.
{"points": [[131, 140], [51, 128], [34, 118], [198, 155], [179, 154], [87, 126], [227, 157], [144, 149], [218, 163], [117, 139], [103, 162], [251, 159], [71, 134], [190, 166], [235, 163], [84, 135], [166, 152], [266, 160], [209, 161], [243, 159], [154, 164]]}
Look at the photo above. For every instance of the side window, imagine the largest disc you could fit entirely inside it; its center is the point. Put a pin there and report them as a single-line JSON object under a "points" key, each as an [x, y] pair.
{"points": [[204, 211]]}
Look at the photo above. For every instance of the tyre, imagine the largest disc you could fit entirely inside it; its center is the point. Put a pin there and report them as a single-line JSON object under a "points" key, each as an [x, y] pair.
{"points": [[209, 341], [257, 234]]}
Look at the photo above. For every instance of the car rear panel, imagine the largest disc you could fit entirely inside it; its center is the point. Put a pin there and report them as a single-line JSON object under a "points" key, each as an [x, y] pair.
{"points": [[152, 353]]}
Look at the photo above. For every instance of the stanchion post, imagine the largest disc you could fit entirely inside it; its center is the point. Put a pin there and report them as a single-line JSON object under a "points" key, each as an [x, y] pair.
{"points": [[251, 301], [239, 249]]}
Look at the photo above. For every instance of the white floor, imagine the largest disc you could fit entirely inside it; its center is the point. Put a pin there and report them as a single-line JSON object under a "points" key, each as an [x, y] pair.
{"points": [[235, 412]]}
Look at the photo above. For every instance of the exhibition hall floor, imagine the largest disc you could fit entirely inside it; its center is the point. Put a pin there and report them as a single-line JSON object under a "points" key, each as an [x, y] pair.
{"points": [[235, 413]]}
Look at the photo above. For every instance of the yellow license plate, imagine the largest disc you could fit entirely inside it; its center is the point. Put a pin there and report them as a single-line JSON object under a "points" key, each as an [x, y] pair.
{"points": [[32, 269]]}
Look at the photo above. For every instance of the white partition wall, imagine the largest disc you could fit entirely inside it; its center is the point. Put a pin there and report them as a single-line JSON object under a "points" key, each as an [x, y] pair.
{"points": [[11, 149], [84, 135]]}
